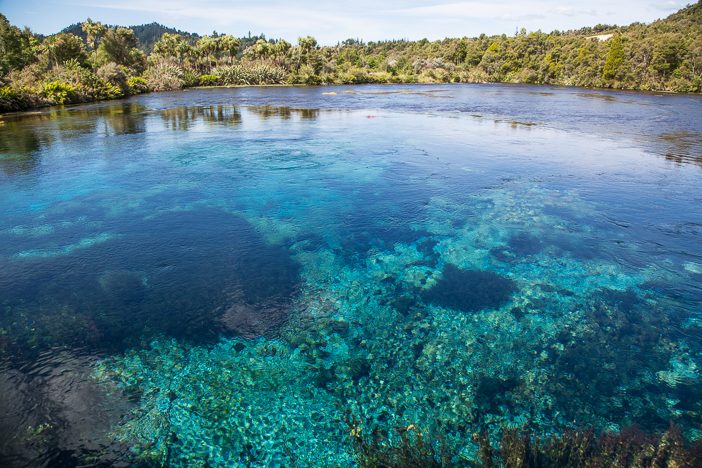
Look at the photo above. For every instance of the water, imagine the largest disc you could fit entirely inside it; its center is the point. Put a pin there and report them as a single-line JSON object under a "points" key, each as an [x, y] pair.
{"points": [[250, 276]]}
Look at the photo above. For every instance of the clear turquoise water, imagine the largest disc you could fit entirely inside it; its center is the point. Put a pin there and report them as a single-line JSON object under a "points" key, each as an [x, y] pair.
{"points": [[230, 277]]}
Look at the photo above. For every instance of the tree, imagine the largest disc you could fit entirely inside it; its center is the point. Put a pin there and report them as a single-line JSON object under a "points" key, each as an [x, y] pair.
{"points": [[667, 54], [281, 51], [230, 45], [262, 49], [614, 63], [16, 47], [120, 46], [172, 45], [206, 48], [63, 47], [93, 31], [305, 46]]}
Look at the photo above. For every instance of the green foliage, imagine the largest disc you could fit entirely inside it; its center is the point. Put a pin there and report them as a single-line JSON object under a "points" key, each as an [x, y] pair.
{"points": [[256, 73], [120, 46], [614, 63], [63, 47], [209, 80], [93, 32], [114, 74], [665, 55], [111, 91], [147, 34], [12, 99], [172, 46], [137, 85], [165, 76], [59, 92], [15, 47]]}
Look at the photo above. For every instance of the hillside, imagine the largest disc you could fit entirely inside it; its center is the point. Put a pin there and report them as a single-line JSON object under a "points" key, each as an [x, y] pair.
{"points": [[146, 34]]}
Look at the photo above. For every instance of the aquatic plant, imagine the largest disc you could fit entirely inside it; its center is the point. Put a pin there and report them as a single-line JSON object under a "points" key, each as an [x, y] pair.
{"points": [[411, 448], [469, 290], [629, 448]]}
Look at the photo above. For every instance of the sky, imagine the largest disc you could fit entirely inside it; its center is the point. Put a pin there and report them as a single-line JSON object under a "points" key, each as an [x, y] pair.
{"points": [[331, 22]]}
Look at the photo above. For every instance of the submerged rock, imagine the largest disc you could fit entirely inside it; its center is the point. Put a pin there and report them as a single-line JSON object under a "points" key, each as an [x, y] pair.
{"points": [[470, 290]]}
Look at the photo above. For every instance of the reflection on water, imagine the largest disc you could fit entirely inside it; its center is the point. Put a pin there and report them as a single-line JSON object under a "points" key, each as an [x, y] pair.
{"points": [[239, 289], [683, 147], [125, 119], [181, 118], [595, 95], [23, 136], [284, 112]]}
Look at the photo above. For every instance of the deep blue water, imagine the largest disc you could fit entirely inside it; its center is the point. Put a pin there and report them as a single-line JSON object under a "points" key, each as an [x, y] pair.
{"points": [[230, 276]]}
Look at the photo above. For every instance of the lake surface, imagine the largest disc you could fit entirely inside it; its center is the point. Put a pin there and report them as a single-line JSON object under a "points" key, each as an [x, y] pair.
{"points": [[251, 276]]}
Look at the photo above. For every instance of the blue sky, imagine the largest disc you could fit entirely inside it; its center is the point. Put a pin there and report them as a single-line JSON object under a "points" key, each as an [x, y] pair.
{"points": [[330, 22]]}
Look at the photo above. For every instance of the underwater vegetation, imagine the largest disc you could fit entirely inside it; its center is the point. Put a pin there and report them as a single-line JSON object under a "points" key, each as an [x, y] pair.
{"points": [[412, 449], [470, 290], [380, 365], [629, 448]]}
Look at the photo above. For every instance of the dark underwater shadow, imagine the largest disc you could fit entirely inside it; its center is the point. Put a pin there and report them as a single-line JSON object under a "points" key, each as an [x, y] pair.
{"points": [[176, 273]]}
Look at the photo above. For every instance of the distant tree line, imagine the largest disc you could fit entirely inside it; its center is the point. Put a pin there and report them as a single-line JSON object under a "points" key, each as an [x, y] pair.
{"points": [[91, 61]]}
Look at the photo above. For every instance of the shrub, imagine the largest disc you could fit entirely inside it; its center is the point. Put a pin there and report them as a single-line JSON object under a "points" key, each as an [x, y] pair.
{"points": [[85, 85], [111, 91], [59, 92], [209, 80], [165, 76], [306, 75], [190, 78], [12, 99], [231, 74], [137, 85], [113, 74], [30, 76], [250, 74], [265, 73]]}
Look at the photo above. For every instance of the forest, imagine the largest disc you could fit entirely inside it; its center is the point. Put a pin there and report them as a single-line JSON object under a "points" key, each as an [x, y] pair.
{"points": [[92, 61]]}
